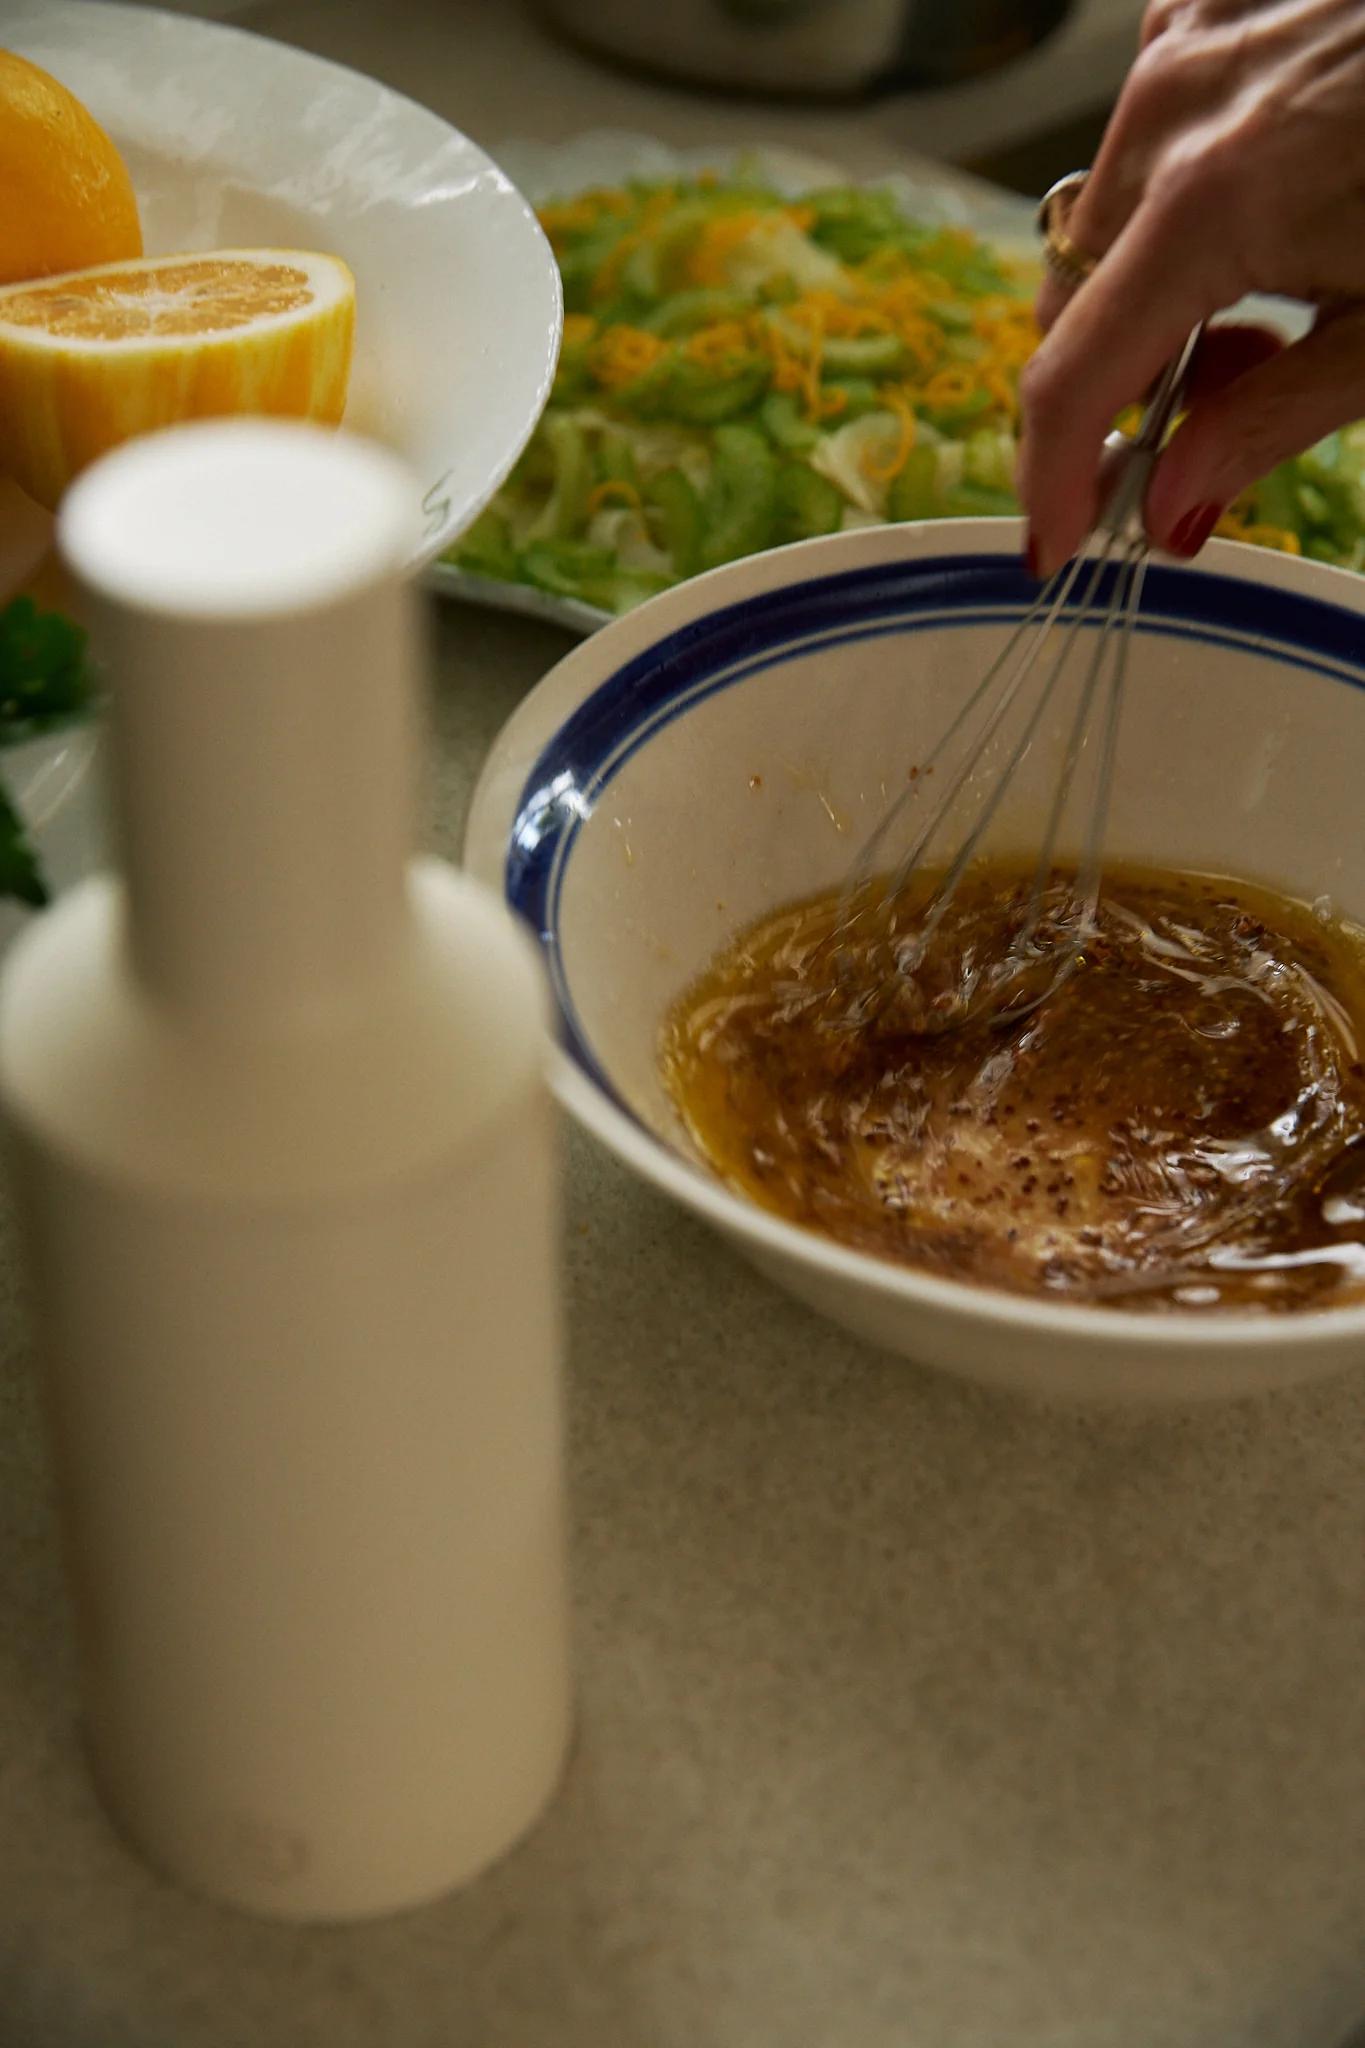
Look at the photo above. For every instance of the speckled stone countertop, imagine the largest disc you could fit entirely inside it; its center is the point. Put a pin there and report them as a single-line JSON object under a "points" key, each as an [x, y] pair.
{"points": [[910, 1717]]}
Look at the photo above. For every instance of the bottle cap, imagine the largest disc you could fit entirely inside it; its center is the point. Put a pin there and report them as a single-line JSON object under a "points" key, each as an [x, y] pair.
{"points": [[239, 519], [247, 590]]}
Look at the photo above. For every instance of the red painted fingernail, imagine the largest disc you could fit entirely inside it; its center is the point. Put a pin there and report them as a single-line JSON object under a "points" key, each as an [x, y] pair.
{"points": [[1189, 534], [1031, 557]]}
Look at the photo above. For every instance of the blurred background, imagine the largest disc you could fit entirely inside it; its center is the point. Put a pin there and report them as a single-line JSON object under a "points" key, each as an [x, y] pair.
{"points": [[1015, 91]]}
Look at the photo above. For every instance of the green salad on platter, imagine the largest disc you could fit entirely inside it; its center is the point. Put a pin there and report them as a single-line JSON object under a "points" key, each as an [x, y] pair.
{"points": [[741, 368]]}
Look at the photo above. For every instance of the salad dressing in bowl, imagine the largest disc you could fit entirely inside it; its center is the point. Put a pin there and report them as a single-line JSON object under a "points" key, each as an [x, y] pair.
{"points": [[1180, 1125]]}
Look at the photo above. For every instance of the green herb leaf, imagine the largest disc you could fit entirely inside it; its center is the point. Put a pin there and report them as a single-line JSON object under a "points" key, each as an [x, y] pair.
{"points": [[45, 684], [45, 676], [20, 874]]}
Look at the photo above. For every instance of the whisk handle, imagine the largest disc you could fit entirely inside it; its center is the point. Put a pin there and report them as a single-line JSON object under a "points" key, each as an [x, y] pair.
{"points": [[1125, 472], [1127, 463], [1168, 394]]}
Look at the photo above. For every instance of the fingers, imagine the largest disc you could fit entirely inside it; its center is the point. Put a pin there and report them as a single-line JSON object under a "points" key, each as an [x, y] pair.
{"points": [[1109, 345], [1157, 18], [1051, 302], [1094, 221], [1100, 211], [1180, 74], [1237, 433], [1227, 352]]}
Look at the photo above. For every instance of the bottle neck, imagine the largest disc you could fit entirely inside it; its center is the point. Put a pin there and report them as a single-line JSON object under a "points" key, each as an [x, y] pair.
{"points": [[263, 791]]}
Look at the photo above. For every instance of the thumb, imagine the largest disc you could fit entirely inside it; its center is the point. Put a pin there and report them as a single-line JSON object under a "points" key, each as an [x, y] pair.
{"points": [[1237, 434]]}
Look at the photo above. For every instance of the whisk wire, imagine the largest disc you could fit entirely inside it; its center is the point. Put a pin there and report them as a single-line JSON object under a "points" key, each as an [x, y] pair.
{"points": [[987, 814], [1050, 603], [1092, 854], [1118, 548], [1080, 724]]}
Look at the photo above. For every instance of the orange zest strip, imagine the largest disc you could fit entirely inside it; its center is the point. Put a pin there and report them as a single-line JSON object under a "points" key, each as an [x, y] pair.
{"points": [[899, 403], [951, 386], [615, 488], [720, 346], [621, 354]]}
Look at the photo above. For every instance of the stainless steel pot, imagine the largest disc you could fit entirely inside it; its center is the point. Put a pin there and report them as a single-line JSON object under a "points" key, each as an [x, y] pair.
{"points": [[822, 48]]}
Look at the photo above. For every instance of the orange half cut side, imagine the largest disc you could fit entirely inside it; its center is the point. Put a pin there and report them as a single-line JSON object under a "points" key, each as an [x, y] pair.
{"points": [[91, 358]]}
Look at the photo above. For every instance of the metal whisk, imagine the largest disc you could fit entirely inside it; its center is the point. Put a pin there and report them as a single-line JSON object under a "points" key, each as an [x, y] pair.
{"points": [[1043, 950]]}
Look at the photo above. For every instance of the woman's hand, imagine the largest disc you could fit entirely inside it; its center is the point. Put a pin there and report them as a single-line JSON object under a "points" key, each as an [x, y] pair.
{"points": [[1234, 163]]}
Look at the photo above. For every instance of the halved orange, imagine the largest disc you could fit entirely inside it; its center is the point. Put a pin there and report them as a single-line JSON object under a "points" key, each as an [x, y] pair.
{"points": [[67, 196], [92, 358]]}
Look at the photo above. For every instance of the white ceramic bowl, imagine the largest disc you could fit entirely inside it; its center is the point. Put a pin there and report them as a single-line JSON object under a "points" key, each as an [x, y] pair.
{"points": [[232, 140], [726, 748]]}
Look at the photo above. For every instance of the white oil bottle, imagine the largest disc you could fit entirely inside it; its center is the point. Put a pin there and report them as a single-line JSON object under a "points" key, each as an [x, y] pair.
{"points": [[285, 1159]]}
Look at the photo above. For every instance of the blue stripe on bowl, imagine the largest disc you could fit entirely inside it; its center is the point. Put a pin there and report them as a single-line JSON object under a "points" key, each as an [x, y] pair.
{"points": [[740, 640]]}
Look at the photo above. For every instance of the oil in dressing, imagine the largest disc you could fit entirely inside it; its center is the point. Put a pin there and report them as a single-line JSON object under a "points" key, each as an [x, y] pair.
{"points": [[1180, 1125]]}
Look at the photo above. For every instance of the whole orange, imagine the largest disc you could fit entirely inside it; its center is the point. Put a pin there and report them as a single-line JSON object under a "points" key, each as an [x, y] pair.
{"points": [[68, 199]]}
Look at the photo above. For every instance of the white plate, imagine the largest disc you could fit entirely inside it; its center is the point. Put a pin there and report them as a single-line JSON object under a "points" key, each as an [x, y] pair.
{"points": [[232, 140], [551, 170]]}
